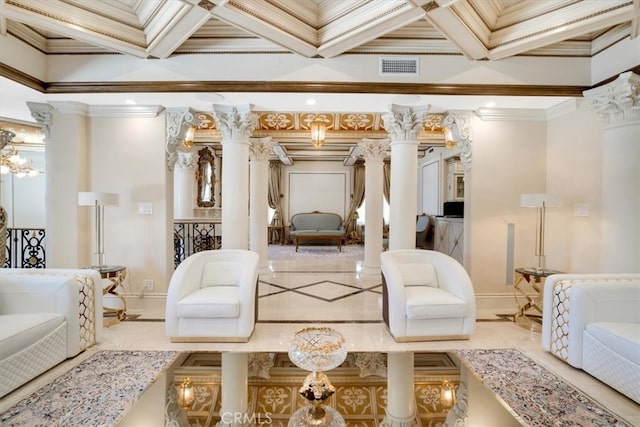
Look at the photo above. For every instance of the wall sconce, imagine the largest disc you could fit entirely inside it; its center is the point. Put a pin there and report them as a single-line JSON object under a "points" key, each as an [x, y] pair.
{"points": [[541, 202], [99, 201], [318, 131], [186, 394], [189, 137], [449, 142], [447, 394]]}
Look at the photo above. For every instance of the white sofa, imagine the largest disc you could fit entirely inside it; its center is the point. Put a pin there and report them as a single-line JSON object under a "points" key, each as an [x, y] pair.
{"points": [[592, 322], [46, 316], [427, 296], [212, 297]]}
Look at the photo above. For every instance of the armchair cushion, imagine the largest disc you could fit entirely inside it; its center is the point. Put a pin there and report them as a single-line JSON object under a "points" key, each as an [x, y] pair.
{"points": [[21, 330], [623, 338], [220, 273], [433, 303], [419, 274], [212, 301]]}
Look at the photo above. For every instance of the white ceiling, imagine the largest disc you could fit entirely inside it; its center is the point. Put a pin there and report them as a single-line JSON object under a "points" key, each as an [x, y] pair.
{"points": [[478, 30]]}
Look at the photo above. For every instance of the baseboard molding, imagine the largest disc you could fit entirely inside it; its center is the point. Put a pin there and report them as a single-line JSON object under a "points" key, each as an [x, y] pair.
{"points": [[496, 302], [146, 303]]}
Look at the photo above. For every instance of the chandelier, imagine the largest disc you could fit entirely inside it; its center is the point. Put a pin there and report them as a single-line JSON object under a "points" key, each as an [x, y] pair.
{"points": [[10, 160], [318, 129]]}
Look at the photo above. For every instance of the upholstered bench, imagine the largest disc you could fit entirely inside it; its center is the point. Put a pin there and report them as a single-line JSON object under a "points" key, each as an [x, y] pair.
{"points": [[317, 226]]}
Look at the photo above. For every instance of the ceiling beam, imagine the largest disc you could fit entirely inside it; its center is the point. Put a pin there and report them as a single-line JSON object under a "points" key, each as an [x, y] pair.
{"points": [[569, 22], [72, 21]]}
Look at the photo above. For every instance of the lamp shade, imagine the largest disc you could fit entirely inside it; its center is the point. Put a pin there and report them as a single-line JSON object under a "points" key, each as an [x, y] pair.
{"points": [[536, 200], [90, 198]]}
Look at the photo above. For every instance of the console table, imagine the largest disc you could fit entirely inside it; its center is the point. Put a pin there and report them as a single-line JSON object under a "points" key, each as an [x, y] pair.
{"points": [[113, 294], [528, 287]]}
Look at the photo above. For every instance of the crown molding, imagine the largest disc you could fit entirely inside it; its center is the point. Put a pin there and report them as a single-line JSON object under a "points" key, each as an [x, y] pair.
{"points": [[566, 107], [524, 114], [140, 111]]}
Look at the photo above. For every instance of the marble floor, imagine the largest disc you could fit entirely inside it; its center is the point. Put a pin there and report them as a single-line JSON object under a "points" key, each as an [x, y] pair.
{"points": [[331, 290]]}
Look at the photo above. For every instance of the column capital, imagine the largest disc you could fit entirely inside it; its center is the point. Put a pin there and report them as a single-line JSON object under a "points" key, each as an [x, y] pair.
{"points": [[178, 122], [460, 124], [235, 122], [403, 122], [43, 114], [186, 160], [260, 148], [617, 102], [374, 149]]}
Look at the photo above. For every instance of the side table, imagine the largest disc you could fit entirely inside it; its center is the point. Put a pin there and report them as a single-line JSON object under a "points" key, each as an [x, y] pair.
{"points": [[528, 288], [113, 293]]}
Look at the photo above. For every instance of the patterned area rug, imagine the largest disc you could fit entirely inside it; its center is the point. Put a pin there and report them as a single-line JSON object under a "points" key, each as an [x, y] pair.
{"points": [[538, 396], [288, 252], [97, 392]]}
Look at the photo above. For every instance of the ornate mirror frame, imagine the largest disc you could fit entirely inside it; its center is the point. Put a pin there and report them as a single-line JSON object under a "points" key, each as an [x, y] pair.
{"points": [[206, 178]]}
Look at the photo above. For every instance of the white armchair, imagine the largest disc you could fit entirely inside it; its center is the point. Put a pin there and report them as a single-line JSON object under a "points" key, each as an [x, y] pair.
{"points": [[212, 297], [427, 296]]}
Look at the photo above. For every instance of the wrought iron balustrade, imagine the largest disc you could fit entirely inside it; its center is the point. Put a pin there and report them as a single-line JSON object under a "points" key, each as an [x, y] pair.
{"points": [[190, 237], [25, 248]]}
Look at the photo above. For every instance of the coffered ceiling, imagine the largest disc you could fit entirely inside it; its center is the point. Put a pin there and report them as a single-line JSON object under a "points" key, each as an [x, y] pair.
{"points": [[479, 30]]}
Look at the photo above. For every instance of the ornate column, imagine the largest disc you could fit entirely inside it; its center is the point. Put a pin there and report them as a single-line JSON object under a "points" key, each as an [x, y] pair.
{"points": [[259, 152], [460, 124], [401, 405], [236, 124], [184, 191], [182, 157], [66, 174], [618, 105], [235, 386], [374, 151], [404, 124]]}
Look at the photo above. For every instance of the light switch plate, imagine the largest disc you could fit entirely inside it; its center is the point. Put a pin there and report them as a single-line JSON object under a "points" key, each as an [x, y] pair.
{"points": [[581, 209]]}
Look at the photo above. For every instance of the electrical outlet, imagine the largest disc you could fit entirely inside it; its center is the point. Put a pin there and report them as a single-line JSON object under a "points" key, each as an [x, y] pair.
{"points": [[148, 285]]}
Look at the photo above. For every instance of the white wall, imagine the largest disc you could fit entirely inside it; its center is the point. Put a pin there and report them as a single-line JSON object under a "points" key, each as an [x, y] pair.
{"points": [[127, 157], [328, 188], [574, 171], [508, 160]]}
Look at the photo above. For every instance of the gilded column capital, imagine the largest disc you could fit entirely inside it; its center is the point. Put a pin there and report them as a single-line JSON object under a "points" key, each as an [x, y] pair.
{"points": [[374, 149], [43, 114], [404, 123], [460, 124], [178, 122], [260, 149], [235, 122], [617, 102]]}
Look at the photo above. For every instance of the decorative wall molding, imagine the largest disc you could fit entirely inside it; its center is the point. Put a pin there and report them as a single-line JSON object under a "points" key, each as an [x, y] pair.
{"points": [[617, 102], [178, 122], [566, 107], [498, 114], [460, 124], [43, 114], [139, 111]]}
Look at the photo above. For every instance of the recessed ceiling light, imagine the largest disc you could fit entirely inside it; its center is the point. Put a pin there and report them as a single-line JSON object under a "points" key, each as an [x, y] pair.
{"points": [[311, 101], [490, 104], [130, 102]]}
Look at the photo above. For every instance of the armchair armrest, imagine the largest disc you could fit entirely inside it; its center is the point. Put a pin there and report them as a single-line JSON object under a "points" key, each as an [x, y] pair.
{"points": [[572, 301]]}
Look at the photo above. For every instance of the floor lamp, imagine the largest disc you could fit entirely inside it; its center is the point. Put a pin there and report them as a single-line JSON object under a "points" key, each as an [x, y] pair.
{"points": [[541, 202], [99, 201]]}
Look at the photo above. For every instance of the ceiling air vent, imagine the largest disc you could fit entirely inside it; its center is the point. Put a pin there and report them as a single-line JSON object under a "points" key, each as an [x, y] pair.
{"points": [[398, 66]]}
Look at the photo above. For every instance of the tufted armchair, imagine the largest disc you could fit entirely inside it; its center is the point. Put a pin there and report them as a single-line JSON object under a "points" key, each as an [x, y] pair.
{"points": [[427, 296], [212, 297]]}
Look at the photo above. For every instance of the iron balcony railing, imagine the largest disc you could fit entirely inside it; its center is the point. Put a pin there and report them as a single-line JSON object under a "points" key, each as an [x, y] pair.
{"points": [[25, 248], [191, 236]]}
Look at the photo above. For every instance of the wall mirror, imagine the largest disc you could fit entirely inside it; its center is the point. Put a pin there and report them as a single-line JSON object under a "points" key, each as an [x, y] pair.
{"points": [[206, 178]]}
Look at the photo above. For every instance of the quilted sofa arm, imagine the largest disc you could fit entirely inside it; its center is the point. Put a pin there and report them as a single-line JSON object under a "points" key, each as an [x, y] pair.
{"points": [[572, 301]]}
